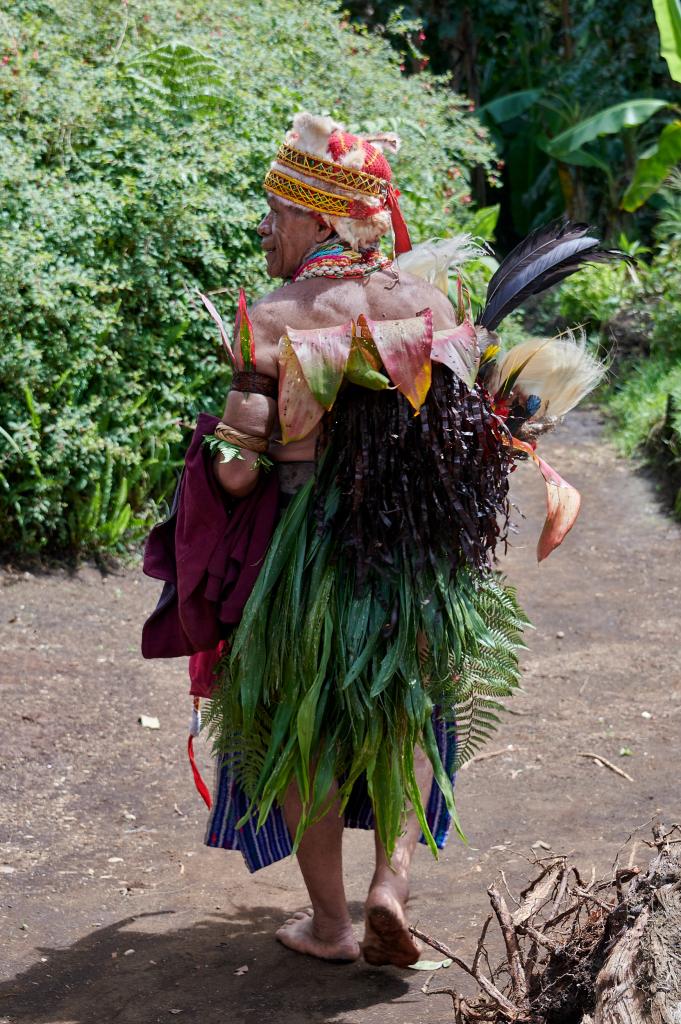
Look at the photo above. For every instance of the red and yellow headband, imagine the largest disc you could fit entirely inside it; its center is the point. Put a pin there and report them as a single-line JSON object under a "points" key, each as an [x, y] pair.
{"points": [[379, 192]]}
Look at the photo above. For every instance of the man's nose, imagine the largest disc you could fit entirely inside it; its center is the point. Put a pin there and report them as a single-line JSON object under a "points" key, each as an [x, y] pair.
{"points": [[265, 226]]}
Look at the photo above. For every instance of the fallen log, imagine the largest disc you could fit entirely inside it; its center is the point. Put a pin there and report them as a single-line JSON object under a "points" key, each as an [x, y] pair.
{"points": [[598, 952]]}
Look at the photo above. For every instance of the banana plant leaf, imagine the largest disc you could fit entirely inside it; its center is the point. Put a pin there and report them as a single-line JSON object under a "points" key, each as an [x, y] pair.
{"points": [[513, 104], [405, 350], [609, 121], [221, 327], [577, 157], [322, 355], [562, 504], [457, 348], [652, 169], [243, 333], [668, 17], [299, 410]]}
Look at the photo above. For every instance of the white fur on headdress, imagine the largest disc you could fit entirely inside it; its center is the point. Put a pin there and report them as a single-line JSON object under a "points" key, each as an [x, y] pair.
{"points": [[310, 133]]}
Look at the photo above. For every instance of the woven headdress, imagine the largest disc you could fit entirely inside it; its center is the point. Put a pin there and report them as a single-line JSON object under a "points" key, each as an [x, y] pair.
{"points": [[345, 179]]}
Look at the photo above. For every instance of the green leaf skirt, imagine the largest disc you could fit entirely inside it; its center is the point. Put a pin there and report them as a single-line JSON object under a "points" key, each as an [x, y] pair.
{"points": [[329, 680]]}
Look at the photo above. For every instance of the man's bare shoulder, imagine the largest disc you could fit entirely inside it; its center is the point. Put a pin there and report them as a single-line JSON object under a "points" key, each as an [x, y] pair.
{"points": [[323, 302], [270, 316], [382, 295], [304, 305], [408, 295], [291, 303]]}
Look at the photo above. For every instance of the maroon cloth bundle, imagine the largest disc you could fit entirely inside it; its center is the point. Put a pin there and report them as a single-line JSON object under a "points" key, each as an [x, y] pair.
{"points": [[208, 553]]}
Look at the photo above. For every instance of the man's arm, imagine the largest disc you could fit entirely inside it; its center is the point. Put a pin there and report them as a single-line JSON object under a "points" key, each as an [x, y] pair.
{"points": [[251, 413]]}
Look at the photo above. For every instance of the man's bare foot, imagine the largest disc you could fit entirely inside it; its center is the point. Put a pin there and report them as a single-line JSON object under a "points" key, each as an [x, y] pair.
{"points": [[303, 934], [387, 939]]}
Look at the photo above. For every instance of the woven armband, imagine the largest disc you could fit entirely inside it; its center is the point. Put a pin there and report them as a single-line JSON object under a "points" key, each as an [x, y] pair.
{"points": [[255, 384], [252, 442]]}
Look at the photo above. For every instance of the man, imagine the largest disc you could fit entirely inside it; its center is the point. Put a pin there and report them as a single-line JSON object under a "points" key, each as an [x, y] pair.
{"points": [[368, 660], [333, 273], [290, 233]]}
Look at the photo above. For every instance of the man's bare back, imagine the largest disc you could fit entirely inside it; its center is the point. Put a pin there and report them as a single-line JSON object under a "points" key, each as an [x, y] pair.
{"points": [[320, 302]]}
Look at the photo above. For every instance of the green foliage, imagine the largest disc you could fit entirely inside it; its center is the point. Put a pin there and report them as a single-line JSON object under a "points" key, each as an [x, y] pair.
{"points": [[569, 145], [668, 228], [224, 448], [489, 672], [536, 71], [644, 395], [179, 80], [668, 17], [654, 167], [639, 398], [595, 294], [132, 150], [230, 451]]}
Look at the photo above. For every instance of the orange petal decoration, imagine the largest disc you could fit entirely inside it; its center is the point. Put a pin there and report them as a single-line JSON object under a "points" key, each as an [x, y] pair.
{"points": [[322, 355], [299, 410], [405, 350], [364, 363], [562, 504], [457, 348]]}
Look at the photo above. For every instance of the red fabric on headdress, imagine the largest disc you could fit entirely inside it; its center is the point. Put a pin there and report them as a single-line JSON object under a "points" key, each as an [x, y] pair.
{"points": [[400, 229], [340, 144]]}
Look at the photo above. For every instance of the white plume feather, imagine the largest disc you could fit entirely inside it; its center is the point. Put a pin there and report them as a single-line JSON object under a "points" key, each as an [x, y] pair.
{"points": [[432, 260], [560, 371]]}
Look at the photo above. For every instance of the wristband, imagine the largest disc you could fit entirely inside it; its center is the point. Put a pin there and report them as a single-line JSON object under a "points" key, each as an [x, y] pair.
{"points": [[255, 384]]}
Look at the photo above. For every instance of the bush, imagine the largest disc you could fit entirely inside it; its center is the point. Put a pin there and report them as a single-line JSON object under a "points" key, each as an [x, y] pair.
{"points": [[595, 294], [131, 167], [644, 396], [639, 396], [638, 401]]}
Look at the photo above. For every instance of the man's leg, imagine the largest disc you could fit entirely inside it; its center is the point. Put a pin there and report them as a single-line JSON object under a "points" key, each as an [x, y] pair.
{"points": [[327, 932], [387, 939]]}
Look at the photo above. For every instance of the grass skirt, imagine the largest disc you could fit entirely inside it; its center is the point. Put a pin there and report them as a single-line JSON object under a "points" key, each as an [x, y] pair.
{"points": [[329, 678]]}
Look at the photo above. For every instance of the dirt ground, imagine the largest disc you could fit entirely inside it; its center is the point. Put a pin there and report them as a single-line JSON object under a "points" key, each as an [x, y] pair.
{"points": [[111, 908]]}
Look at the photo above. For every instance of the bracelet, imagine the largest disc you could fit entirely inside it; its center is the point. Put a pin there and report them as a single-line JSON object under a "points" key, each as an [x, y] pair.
{"points": [[251, 442], [255, 383]]}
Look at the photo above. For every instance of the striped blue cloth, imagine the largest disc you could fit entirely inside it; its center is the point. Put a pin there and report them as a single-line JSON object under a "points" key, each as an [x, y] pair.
{"points": [[272, 842]]}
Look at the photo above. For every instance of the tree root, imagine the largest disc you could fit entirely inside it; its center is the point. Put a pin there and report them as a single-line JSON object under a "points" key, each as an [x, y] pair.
{"points": [[598, 952]]}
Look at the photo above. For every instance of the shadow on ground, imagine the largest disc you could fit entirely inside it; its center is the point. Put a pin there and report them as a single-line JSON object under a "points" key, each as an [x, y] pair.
{"points": [[185, 971]]}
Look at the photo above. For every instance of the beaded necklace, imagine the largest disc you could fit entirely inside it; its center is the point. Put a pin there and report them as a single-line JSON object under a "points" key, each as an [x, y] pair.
{"points": [[336, 260]]}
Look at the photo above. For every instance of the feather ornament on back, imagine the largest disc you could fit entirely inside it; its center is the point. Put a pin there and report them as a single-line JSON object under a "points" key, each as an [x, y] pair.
{"points": [[433, 259], [544, 258], [560, 371]]}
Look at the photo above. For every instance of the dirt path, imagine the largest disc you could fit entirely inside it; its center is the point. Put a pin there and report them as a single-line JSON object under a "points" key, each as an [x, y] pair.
{"points": [[113, 911]]}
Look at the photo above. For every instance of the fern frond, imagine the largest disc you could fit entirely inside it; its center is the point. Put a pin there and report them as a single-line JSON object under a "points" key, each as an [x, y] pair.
{"points": [[489, 670], [245, 751], [178, 80]]}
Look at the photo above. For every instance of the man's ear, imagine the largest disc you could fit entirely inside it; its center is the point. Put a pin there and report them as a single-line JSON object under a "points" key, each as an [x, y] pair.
{"points": [[324, 231]]}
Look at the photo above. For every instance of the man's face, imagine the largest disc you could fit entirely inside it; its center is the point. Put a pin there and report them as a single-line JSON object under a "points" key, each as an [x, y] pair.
{"points": [[288, 234]]}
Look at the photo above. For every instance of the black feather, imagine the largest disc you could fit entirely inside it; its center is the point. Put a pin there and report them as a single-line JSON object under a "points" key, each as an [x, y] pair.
{"points": [[544, 258]]}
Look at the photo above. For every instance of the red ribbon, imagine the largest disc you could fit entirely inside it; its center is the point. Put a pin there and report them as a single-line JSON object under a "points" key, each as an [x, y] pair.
{"points": [[198, 781], [400, 230]]}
